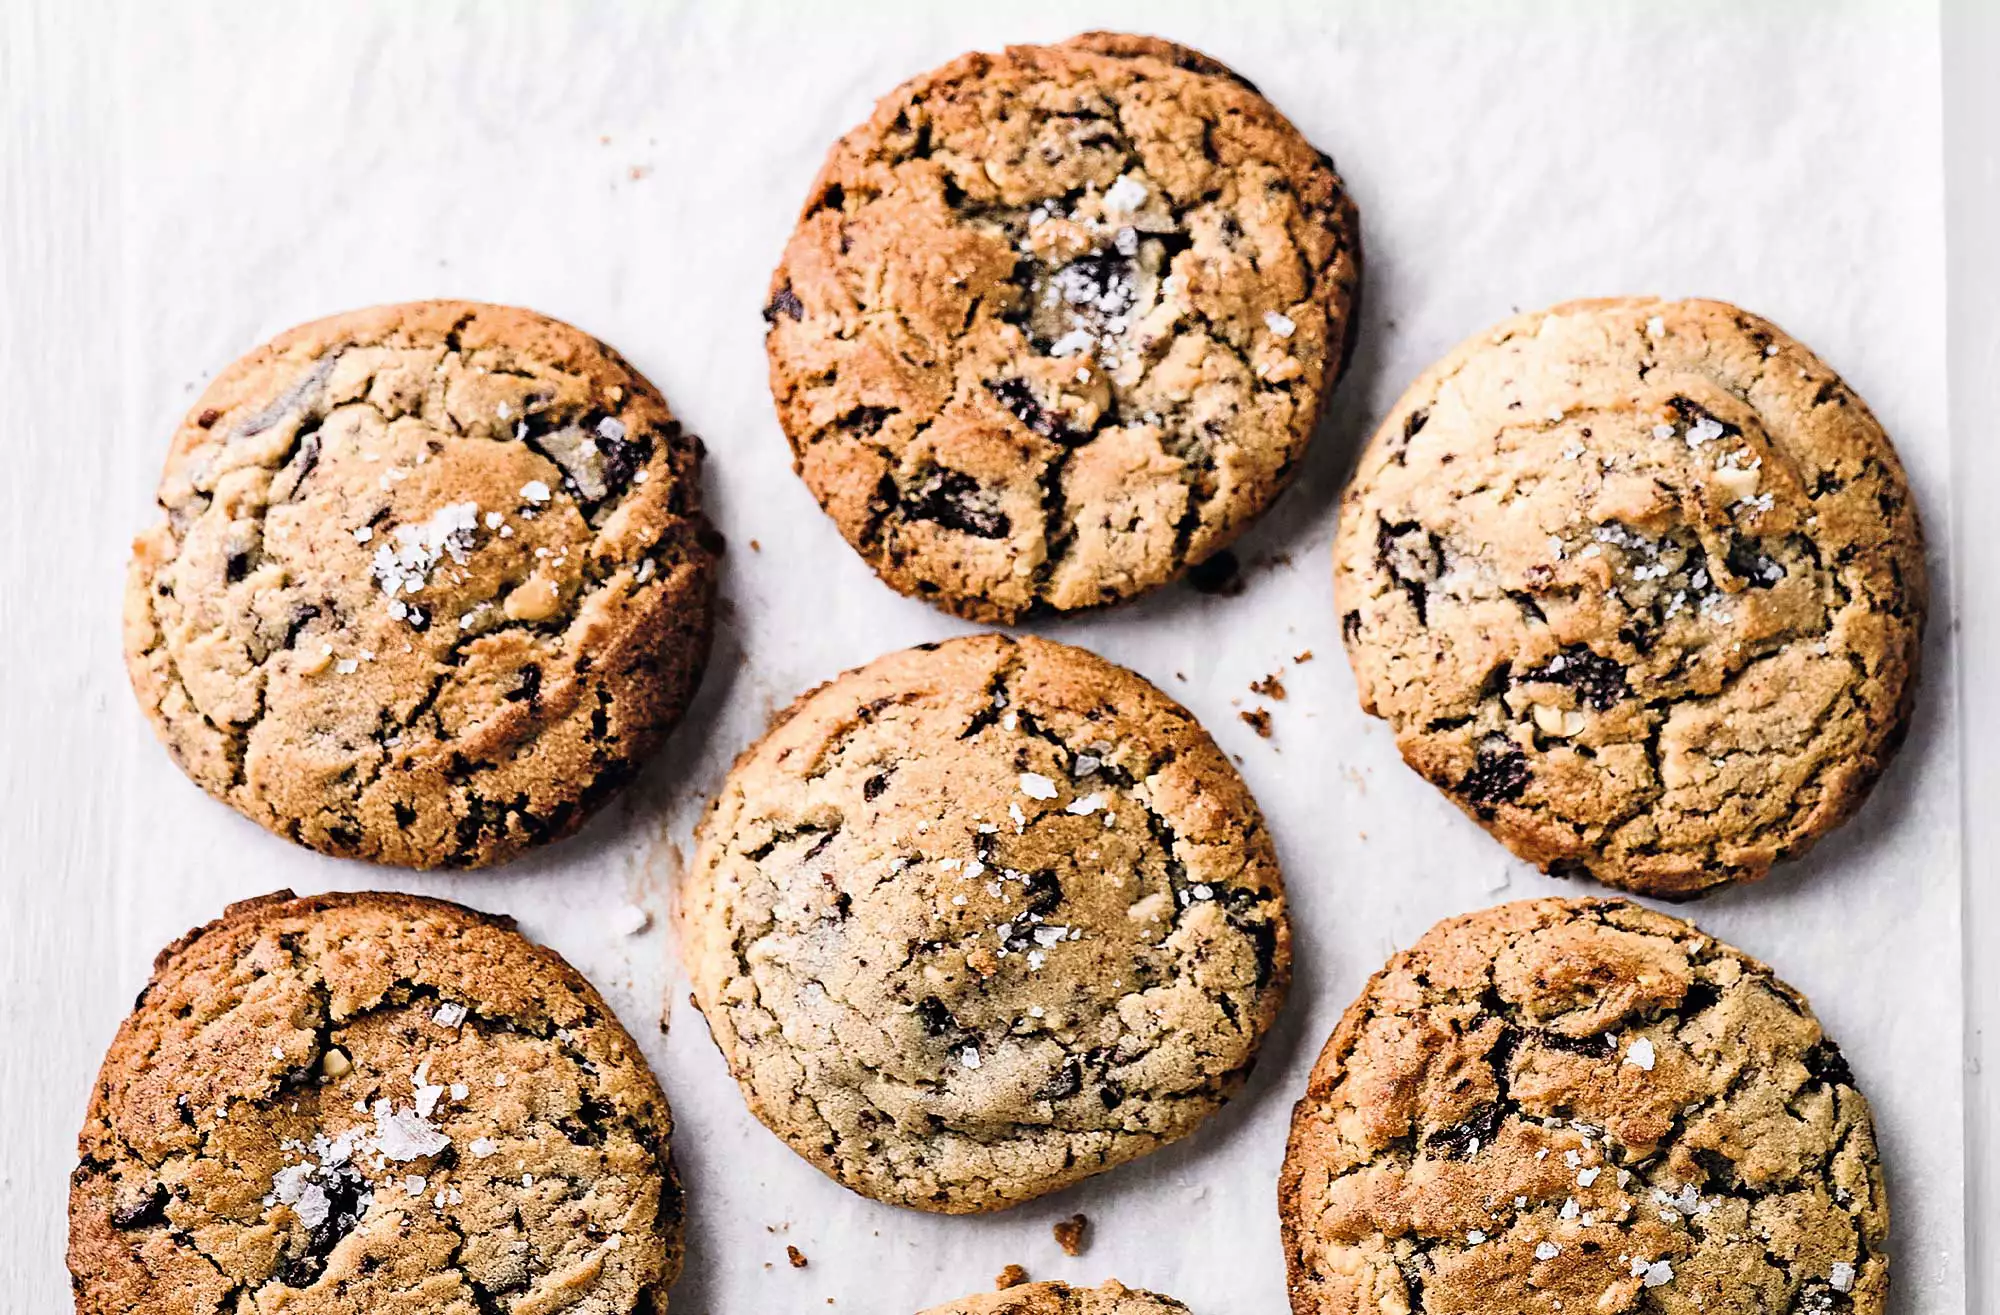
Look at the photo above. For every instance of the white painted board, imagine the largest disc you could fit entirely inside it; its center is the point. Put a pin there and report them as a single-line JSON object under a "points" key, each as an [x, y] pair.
{"points": [[182, 180]]}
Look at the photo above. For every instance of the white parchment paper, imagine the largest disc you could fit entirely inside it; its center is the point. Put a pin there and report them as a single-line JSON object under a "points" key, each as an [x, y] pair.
{"points": [[210, 175]]}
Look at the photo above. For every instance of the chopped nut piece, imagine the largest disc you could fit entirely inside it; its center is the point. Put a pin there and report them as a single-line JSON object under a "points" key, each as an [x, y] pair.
{"points": [[534, 601], [1071, 1236], [796, 1256]]}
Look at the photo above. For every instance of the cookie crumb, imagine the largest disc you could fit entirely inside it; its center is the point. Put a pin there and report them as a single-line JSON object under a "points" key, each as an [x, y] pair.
{"points": [[1259, 720], [1070, 1234], [796, 1256], [1300, 659], [1269, 687], [756, 546], [1011, 1277]]}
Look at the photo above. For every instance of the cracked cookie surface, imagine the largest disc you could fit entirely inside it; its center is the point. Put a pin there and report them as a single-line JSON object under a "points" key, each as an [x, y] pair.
{"points": [[981, 919], [432, 580], [1640, 585], [1581, 1105], [1113, 1298], [1057, 323], [371, 1103]]}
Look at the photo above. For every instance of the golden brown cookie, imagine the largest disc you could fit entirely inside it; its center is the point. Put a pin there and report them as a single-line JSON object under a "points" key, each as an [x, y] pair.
{"points": [[1056, 323], [1581, 1106], [981, 919], [374, 1104], [1113, 1298], [432, 581], [1641, 586]]}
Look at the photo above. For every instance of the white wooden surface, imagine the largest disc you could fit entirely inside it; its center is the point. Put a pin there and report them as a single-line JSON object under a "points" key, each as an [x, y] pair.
{"points": [[180, 181]]}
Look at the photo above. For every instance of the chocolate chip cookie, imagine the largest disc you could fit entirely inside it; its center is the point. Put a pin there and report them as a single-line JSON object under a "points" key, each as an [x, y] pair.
{"points": [[981, 919], [1641, 586], [371, 1103], [1114, 1298], [432, 580], [1056, 323], [1581, 1105]]}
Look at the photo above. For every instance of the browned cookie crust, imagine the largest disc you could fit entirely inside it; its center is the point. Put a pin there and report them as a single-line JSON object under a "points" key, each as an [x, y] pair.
{"points": [[433, 580], [1113, 1298], [1581, 1106], [982, 919], [1056, 323], [1640, 584], [371, 1105]]}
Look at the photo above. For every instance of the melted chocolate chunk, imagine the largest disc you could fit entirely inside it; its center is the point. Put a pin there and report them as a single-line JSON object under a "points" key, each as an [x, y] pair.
{"points": [[1019, 398], [957, 502], [1597, 679], [1461, 1140], [1499, 774]]}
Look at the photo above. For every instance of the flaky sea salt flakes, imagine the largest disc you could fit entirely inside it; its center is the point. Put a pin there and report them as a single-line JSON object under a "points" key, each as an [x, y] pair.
{"points": [[293, 1186], [414, 1184], [1641, 1054], [535, 491], [347, 666], [1125, 195], [1085, 806], [1036, 786], [1570, 1209], [1841, 1277], [611, 430], [449, 1015], [1475, 1237], [1281, 326], [969, 1056], [1655, 1273], [1655, 327], [484, 1146], [1663, 431], [459, 1091], [1585, 1177], [363, 533], [404, 566], [1547, 1251], [1076, 340], [405, 1134]]}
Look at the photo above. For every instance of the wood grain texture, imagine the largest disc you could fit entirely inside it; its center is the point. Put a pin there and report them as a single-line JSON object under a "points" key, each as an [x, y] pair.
{"points": [[179, 182]]}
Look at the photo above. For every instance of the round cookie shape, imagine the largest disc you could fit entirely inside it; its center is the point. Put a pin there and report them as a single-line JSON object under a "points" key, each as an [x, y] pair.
{"points": [[1640, 585], [1581, 1105], [433, 580], [1056, 323], [1113, 1298], [981, 919], [371, 1102]]}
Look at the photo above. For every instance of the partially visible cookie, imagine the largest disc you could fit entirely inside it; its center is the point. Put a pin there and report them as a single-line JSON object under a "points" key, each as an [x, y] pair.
{"points": [[1581, 1105], [432, 581], [371, 1103], [1056, 323], [1641, 586], [981, 919], [1113, 1298]]}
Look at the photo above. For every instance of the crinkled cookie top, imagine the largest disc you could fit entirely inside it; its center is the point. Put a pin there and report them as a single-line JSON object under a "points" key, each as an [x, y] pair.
{"points": [[1570, 1106], [1056, 323], [431, 581], [1641, 585], [371, 1105], [982, 919]]}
